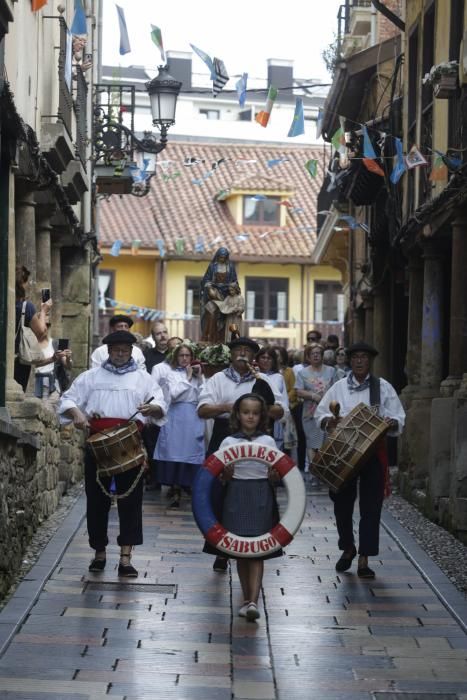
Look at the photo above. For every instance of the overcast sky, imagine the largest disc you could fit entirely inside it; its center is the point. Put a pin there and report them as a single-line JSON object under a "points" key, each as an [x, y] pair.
{"points": [[244, 36]]}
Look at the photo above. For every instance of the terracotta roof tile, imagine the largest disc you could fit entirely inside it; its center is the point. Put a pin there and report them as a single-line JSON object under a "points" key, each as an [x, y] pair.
{"points": [[177, 209]]}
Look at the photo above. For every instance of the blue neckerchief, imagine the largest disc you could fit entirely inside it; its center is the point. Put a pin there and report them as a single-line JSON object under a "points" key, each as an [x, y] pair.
{"points": [[129, 366], [232, 374], [244, 436], [357, 387], [180, 369]]}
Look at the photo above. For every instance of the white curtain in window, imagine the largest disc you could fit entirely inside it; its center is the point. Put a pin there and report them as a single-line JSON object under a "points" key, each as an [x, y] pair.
{"points": [[189, 301], [104, 280], [319, 301], [281, 306], [250, 306], [340, 308]]}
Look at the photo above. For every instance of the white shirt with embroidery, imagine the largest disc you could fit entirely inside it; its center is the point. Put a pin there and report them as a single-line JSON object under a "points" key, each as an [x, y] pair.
{"points": [[220, 389]]}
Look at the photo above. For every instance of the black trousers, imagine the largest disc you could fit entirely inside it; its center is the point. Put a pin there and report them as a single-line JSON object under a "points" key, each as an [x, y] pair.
{"points": [[301, 437], [150, 433], [130, 508], [371, 489]]}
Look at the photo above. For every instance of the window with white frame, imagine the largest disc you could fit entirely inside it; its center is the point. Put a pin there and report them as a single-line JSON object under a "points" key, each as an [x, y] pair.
{"points": [[329, 302], [266, 298]]}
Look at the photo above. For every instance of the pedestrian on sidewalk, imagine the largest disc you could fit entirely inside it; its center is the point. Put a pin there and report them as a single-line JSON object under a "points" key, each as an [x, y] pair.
{"points": [[102, 397], [249, 506], [360, 386]]}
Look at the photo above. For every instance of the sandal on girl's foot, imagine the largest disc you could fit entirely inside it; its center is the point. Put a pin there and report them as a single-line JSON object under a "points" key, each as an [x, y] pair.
{"points": [[252, 612], [98, 563], [243, 609], [127, 571]]}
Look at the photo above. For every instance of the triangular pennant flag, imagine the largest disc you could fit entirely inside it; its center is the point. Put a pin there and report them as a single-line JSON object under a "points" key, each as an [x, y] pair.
{"points": [[399, 167], [78, 26], [124, 39], [263, 116], [414, 158], [161, 247], [206, 59], [338, 140], [319, 123], [240, 86], [156, 36], [220, 76], [275, 161], [199, 245], [368, 150], [189, 162], [179, 246], [373, 166], [297, 128], [37, 5], [312, 167], [135, 246], [451, 162], [439, 170], [115, 249]]}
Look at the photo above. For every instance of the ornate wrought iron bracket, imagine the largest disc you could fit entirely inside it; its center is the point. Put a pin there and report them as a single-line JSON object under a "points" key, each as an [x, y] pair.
{"points": [[115, 142]]}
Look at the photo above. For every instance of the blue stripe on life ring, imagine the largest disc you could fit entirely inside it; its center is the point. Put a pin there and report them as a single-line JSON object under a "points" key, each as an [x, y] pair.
{"points": [[201, 500]]}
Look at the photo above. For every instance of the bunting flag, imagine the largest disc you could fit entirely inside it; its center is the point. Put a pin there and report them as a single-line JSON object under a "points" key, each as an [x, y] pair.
{"points": [[199, 245], [399, 167], [173, 176], [115, 249], [135, 246], [263, 117], [161, 247], [156, 36], [220, 76], [414, 158], [319, 123], [124, 39], [79, 26], [439, 170], [368, 150], [242, 237], [206, 59], [180, 246], [275, 161], [197, 181], [297, 128], [37, 5], [312, 167], [189, 162], [140, 174], [373, 166], [240, 86], [338, 140], [451, 162]]}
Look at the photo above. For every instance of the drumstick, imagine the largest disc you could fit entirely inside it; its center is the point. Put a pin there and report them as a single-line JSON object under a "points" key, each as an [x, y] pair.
{"points": [[335, 408], [136, 412], [127, 420]]}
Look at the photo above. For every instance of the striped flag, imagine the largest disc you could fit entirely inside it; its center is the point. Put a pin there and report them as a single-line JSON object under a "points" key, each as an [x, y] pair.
{"points": [[297, 128], [124, 39], [263, 117], [220, 76], [156, 36]]}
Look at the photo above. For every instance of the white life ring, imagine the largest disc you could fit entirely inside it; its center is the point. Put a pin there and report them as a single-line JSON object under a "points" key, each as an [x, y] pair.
{"points": [[282, 533]]}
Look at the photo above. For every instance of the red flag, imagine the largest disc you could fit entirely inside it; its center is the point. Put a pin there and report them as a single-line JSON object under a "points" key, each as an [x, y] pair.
{"points": [[38, 4], [373, 166]]}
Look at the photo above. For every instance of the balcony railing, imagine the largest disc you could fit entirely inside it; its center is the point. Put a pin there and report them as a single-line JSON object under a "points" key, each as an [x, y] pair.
{"points": [[113, 103], [81, 117], [344, 18], [65, 101]]}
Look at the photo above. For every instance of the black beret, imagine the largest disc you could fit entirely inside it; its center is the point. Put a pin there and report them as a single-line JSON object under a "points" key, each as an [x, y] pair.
{"points": [[248, 342], [119, 338], [121, 318], [361, 346]]}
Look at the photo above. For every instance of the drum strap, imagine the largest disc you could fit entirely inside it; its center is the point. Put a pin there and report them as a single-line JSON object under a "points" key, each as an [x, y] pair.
{"points": [[375, 391], [381, 453]]}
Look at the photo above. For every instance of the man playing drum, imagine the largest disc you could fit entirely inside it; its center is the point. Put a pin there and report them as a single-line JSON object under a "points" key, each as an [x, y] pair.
{"points": [[360, 386], [99, 398]]}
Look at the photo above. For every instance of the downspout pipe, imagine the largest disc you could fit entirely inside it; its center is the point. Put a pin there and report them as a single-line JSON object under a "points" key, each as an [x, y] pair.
{"points": [[381, 7]]}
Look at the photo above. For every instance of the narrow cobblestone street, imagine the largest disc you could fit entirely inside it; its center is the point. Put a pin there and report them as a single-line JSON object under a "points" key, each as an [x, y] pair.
{"points": [[174, 632]]}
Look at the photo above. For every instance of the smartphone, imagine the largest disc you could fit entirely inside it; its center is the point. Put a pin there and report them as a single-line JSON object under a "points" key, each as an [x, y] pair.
{"points": [[63, 343], [45, 293]]}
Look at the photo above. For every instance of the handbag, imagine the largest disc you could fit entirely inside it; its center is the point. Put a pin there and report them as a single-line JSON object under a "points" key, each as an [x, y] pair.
{"points": [[29, 350]]}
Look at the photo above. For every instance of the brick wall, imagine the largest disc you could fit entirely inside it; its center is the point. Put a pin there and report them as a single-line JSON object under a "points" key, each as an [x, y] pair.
{"points": [[386, 29]]}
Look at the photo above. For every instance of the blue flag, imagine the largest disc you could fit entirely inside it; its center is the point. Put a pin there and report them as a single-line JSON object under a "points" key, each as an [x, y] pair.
{"points": [[241, 89], [399, 166], [124, 39], [206, 59], [115, 249], [368, 150], [78, 26], [297, 128], [161, 247], [319, 123]]}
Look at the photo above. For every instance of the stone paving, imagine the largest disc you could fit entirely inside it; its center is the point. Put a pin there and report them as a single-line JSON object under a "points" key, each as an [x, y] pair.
{"points": [[174, 632]]}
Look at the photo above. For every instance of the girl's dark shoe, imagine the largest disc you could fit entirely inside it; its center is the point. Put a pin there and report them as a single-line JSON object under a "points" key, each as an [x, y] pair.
{"points": [[97, 565]]}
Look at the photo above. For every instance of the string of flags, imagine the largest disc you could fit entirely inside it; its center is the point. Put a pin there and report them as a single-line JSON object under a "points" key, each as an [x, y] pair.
{"points": [[145, 313]]}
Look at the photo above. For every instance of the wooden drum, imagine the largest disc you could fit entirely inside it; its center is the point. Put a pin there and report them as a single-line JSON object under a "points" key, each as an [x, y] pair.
{"points": [[117, 449], [349, 446]]}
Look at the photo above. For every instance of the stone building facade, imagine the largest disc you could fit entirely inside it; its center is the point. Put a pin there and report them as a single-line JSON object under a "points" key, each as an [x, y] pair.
{"points": [[45, 224]]}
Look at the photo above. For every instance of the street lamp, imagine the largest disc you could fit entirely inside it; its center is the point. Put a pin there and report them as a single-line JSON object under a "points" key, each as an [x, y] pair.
{"points": [[114, 142]]}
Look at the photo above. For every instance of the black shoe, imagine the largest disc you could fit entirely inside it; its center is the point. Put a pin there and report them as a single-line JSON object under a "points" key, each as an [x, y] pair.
{"points": [[97, 565], [220, 564], [127, 571], [365, 572], [345, 562]]}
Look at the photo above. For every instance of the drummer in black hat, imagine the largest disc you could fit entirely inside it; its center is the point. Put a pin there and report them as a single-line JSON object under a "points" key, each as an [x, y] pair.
{"points": [[119, 322], [361, 386], [222, 390], [105, 397]]}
